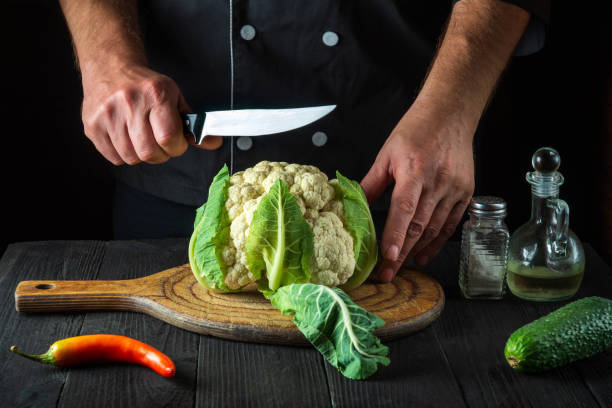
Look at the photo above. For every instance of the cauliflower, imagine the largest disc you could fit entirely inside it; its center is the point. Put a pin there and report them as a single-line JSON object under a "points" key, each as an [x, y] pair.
{"points": [[302, 232], [333, 262], [295, 233]]}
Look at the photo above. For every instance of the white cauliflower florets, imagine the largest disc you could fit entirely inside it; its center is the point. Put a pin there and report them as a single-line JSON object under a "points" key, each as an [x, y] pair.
{"points": [[333, 260]]}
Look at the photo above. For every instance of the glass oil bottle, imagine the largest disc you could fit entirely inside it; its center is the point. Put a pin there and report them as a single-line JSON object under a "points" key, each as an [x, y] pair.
{"points": [[546, 259]]}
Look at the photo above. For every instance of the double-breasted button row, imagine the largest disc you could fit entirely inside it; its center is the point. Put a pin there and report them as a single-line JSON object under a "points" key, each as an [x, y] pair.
{"points": [[319, 138], [329, 38]]}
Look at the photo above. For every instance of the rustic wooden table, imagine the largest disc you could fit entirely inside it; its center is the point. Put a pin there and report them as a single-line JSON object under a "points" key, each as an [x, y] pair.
{"points": [[457, 361]]}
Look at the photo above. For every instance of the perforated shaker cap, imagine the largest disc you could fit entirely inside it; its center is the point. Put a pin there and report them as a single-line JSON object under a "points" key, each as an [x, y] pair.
{"points": [[487, 205]]}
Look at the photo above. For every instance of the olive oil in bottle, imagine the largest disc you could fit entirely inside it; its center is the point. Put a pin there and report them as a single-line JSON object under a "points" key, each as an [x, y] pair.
{"points": [[545, 258], [538, 282]]}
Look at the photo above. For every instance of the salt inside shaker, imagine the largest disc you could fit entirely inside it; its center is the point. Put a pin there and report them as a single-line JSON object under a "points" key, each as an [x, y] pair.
{"points": [[484, 249]]}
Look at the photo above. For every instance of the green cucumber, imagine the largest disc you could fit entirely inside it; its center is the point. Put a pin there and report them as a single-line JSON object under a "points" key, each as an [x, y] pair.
{"points": [[577, 330]]}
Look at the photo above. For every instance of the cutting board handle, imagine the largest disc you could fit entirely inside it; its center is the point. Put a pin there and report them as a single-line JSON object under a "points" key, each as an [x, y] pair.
{"points": [[62, 296]]}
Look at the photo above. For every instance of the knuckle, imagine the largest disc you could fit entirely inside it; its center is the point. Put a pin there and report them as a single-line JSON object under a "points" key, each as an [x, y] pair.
{"points": [[417, 165], [429, 203], [166, 139], [124, 95], [132, 160], [430, 233], [127, 98], [466, 184], [415, 229], [147, 155], [156, 88], [106, 109], [397, 236], [448, 229], [445, 176], [407, 206], [464, 203], [468, 187]]}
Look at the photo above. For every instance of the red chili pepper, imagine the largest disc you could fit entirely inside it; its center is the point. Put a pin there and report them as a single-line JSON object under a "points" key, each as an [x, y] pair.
{"points": [[97, 348]]}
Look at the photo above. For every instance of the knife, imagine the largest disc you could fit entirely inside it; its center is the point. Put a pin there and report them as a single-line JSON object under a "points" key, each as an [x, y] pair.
{"points": [[250, 122]]}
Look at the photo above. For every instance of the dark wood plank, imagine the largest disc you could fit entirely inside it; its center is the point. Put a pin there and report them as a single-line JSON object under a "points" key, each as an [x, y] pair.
{"points": [[134, 385], [473, 335], [458, 361], [235, 374], [26, 383], [418, 376]]}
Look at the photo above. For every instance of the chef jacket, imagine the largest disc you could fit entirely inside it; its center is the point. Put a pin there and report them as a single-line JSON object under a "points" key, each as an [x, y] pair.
{"points": [[368, 57]]}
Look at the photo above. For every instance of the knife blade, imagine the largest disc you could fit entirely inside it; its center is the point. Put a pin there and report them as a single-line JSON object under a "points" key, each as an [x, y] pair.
{"points": [[250, 122]]}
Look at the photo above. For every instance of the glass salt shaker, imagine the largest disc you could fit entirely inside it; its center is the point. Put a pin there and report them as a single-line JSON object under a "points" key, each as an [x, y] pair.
{"points": [[484, 249]]}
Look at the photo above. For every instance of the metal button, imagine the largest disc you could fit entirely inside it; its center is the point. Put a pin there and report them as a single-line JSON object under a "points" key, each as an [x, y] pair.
{"points": [[244, 143], [330, 38], [319, 138], [247, 32]]}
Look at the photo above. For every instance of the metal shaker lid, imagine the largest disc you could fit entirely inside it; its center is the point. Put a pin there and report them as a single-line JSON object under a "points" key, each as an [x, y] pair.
{"points": [[488, 205]]}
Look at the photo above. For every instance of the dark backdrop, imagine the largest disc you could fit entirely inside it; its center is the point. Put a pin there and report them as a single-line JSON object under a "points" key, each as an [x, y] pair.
{"points": [[55, 185]]}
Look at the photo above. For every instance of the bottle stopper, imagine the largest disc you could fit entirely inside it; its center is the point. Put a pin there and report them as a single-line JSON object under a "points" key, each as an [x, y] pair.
{"points": [[546, 160], [545, 180]]}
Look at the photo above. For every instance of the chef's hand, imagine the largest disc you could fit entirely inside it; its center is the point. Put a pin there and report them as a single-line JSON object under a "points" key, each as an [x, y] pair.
{"points": [[131, 114], [431, 162]]}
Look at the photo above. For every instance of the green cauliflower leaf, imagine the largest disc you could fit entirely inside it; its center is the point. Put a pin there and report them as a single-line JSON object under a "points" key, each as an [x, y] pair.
{"points": [[358, 221], [211, 235], [340, 329], [279, 246]]}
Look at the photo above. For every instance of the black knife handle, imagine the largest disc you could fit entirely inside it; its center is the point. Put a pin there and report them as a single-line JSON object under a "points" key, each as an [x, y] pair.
{"points": [[193, 123]]}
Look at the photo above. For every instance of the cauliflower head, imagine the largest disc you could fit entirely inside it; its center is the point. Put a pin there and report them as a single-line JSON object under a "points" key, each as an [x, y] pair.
{"points": [[333, 261], [300, 214]]}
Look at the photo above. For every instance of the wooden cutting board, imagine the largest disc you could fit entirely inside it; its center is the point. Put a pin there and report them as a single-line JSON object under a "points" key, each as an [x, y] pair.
{"points": [[412, 301]]}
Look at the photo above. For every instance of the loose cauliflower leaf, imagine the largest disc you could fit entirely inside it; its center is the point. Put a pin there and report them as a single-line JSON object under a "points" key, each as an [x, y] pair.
{"points": [[279, 246], [340, 329], [358, 220], [210, 236]]}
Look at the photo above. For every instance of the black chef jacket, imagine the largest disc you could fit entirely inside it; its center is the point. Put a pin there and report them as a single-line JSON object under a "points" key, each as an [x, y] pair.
{"points": [[366, 56]]}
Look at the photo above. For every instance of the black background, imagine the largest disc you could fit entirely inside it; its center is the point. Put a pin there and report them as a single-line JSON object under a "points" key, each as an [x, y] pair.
{"points": [[56, 186]]}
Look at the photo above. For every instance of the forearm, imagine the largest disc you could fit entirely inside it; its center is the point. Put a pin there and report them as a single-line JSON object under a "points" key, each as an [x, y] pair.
{"points": [[130, 112], [478, 42], [104, 32]]}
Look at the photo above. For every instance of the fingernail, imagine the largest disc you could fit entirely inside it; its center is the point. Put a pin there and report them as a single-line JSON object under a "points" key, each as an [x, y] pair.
{"points": [[386, 275], [392, 253]]}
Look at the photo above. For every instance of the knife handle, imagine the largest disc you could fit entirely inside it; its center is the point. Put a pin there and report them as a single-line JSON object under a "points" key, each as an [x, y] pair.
{"points": [[193, 124]]}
